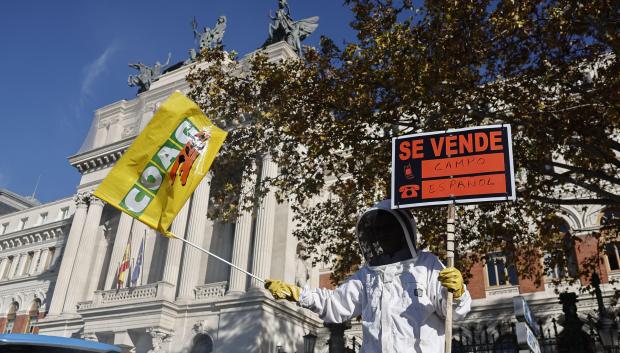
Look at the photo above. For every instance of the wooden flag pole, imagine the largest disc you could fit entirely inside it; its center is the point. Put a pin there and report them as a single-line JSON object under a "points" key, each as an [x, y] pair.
{"points": [[219, 258], [450, 258]]}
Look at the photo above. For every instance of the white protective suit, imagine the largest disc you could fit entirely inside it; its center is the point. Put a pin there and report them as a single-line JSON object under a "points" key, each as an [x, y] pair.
{"points": [[402, 304]]}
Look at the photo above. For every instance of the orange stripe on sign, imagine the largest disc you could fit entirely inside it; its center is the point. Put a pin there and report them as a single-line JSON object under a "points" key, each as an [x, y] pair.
{"points": [[481, 163], [464, 186]]}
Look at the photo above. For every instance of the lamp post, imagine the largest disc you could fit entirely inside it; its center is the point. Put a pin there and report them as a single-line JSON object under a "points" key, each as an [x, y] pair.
{"points": [[607, 330], [309, 342]]}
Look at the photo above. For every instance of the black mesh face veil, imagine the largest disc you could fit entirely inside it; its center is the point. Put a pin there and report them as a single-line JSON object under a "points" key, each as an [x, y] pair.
{"points": [[382, 237]]}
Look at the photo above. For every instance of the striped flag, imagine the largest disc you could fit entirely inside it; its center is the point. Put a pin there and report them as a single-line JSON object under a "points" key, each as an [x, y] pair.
{"points": [[123, 268], [135, 274]]}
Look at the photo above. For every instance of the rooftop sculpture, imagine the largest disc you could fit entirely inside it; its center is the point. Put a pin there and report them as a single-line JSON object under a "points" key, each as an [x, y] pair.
{"points": [[146, 74], [284, 28], [210, 38]]}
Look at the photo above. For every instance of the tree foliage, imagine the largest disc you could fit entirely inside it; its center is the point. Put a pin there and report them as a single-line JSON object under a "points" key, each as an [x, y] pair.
{"points": [[548, 68]]}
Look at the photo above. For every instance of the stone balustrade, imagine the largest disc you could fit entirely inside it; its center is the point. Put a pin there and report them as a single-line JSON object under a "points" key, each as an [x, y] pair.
{"points": [[211, 290], [141, 294]]}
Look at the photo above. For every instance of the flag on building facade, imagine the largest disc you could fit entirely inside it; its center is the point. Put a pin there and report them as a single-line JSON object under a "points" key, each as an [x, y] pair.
{"points": [[123, 267], [137, 268], [164, 165]]}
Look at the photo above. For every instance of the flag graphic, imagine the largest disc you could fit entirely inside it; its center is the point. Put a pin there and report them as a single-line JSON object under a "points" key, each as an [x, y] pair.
{"points": [[135, 273], [123, 268], [164, 165]]}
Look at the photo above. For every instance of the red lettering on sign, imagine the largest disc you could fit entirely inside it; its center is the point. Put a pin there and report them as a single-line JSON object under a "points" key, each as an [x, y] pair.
{"points": [[451, 145], [466, 144], [496, 140], [416, 149], [405, 152], [437, 146], [482, 141]]}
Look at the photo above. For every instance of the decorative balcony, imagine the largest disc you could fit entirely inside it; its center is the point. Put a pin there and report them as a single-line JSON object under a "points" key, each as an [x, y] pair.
{"points": [[211, 290], [115, 297]]}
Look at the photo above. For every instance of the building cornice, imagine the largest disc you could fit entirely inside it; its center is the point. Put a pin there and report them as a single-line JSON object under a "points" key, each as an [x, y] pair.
{"points": [[29, 236], [100, 157]]}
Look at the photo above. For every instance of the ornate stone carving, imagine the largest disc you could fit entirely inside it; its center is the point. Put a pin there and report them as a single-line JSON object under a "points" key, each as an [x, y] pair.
{"points": [[82, 199], [158, 338], [209, 38]]}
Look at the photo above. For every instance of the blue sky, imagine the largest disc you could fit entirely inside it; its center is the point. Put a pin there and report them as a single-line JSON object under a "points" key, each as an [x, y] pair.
{"points": [[61, 60]]}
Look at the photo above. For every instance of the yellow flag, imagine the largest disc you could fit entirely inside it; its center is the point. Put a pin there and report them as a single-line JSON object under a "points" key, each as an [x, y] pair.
{"points": [[164, 165]]}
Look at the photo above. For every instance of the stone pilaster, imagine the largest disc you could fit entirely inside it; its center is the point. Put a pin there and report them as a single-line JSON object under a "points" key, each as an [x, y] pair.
{"points": [[120, 241], [195, 233], [3, 264], [242, 239], [71, 248], [265, 222], [35, 259], [175, 247], [43, 260], [84, 257], [21, 259], [14, 264]]}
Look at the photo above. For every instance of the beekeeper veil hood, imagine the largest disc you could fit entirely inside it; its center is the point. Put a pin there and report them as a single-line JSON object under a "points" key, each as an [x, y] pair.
{"points": [[385, 235]]}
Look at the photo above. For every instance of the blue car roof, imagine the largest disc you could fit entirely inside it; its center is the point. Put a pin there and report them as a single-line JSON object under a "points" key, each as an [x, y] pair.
{"points": [[55, 341]]}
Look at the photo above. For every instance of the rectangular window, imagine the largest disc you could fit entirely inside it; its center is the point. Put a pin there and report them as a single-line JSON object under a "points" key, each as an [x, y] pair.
{"points": [[613, 255], [43, 218], [22, 223], [32, 323], [499, 273], [64, 213], [3, 228]]}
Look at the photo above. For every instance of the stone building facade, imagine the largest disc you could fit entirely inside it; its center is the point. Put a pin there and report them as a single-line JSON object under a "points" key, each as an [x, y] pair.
{"points": [[59, 261]]}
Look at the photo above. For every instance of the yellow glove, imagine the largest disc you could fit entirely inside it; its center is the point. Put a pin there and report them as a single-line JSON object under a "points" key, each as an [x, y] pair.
{"points": [[452, 279], [282, 290]]}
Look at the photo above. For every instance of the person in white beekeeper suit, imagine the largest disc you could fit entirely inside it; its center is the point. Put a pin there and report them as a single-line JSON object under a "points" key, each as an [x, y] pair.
{"points": [[400, 292]]}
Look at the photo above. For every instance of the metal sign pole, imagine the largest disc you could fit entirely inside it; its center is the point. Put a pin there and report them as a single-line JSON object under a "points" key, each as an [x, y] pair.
{"points": [[450, 258]]}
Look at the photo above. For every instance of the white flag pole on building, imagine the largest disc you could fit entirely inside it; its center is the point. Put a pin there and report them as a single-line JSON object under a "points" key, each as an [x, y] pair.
{"points": [[219, 258]]}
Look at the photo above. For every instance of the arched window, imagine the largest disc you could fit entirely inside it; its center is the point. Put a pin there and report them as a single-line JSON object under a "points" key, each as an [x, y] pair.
{"points": [[33, 316], [562, 260], [610, 231], [202, 343], [10, 317]]}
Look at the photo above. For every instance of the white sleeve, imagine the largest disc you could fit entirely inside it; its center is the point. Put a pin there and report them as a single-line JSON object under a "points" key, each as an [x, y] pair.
{"points": [[439, 295], [335, 306]]}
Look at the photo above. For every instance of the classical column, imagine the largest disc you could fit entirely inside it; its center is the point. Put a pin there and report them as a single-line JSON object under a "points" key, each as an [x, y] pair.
{"points": [[33, 265], [85, 256], [175, 247], [120, 242], [71, 248], [242, 239], [195, 233], [263, 241]]}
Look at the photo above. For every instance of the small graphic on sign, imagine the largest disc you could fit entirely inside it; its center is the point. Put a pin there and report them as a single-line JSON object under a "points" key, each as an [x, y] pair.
{"points": [[409, 191], [408, 171]]}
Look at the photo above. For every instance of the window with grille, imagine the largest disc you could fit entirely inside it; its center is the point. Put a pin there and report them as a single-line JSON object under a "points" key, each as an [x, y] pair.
{"points": [[499, 272]]}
